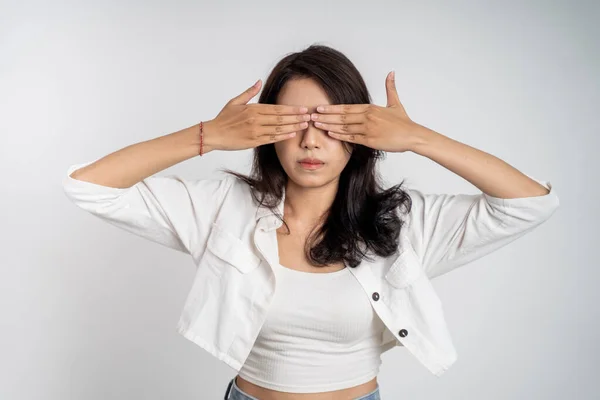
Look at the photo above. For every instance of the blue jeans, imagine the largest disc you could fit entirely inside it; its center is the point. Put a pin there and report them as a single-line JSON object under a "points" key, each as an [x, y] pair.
{"points": [[235, 393]]}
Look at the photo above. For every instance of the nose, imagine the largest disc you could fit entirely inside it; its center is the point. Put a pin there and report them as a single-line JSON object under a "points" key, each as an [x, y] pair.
{"points": [[311, 136]]}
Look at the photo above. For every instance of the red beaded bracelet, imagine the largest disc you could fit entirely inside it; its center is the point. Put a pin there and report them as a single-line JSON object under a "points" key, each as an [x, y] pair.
{"points": [[201, 138]]}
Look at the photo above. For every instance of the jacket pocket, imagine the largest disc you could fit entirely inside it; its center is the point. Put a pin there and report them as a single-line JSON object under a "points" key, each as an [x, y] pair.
{"points": [[230, 249], [405, 270]]}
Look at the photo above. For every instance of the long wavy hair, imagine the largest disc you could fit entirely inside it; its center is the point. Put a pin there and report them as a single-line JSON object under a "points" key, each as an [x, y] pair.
{"points": [[363, 215]]}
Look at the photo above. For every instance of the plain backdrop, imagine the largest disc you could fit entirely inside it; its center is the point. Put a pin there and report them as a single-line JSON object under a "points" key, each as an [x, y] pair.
{"points": [[88, 311]]}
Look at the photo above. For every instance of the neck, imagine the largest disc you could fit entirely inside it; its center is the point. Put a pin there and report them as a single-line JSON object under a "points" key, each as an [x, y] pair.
{"points": [[306, 205]]}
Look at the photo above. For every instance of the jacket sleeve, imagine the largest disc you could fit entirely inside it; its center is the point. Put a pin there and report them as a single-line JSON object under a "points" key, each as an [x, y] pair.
{"points": [[451, 230], [168, 210]]}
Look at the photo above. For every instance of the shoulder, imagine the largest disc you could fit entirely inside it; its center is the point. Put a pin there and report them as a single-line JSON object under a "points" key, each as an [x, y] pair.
{"points": [[237, 188], [412, 206], [238, 198]]}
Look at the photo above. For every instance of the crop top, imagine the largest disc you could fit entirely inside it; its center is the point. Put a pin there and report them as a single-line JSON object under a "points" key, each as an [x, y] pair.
{"points": [[321, 334]]}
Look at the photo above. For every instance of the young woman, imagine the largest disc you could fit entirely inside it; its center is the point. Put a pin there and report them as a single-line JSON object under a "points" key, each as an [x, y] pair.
{"points": [[308, 270]]}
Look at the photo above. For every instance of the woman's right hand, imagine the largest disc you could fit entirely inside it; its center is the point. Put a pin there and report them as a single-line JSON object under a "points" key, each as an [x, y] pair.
{"points": [[242, 126]]}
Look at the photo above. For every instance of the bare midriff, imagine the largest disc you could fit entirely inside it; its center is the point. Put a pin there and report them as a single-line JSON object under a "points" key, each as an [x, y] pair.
{"points": [[343, 394]]}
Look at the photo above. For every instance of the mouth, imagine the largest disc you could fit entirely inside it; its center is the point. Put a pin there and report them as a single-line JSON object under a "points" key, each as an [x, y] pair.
{"points": [[311, 164]]}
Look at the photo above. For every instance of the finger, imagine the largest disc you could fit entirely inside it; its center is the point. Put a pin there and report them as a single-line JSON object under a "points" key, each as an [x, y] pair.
{"points": [[340, 118], [391, 92], [282, 119], [247, 95], [276, 138], [393, 100], [267, 130], [361, 139], [343, 108], [279, 109], [355, 129]]}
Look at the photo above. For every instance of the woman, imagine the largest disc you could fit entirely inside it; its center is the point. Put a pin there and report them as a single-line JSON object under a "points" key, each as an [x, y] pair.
{"points": [[308, 270]]}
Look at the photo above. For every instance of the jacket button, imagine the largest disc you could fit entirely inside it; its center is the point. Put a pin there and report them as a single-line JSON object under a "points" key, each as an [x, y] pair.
{"points": [[375, 296], [403, 333]]}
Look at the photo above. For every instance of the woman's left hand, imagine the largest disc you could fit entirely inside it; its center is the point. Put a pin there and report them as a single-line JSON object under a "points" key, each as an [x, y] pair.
{"points": [[383, 128]]}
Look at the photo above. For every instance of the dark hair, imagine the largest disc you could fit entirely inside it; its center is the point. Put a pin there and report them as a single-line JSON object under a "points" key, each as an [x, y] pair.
{"points": [[363, 216]]}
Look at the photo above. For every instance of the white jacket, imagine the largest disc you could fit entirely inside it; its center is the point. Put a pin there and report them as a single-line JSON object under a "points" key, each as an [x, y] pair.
{"points": [[233, 244]]}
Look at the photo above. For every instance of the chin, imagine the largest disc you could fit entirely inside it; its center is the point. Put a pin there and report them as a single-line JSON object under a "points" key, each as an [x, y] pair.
{"points": [[310, 181], [307, 181]]}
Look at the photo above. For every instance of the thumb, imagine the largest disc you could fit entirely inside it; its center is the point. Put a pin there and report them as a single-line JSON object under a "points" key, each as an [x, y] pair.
{"points": [[247, 95], [390, 89]]}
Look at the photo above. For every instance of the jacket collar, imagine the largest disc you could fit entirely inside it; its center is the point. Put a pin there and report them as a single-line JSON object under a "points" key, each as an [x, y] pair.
{"points": [[264, 211]]}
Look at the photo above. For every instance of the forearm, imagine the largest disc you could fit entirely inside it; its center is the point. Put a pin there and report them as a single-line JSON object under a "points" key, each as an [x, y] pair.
{"points": [[128, 166], [488, 173]]}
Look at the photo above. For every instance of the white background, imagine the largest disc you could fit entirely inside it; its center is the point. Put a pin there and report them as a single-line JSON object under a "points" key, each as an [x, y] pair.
{"points": [[89, 312]]}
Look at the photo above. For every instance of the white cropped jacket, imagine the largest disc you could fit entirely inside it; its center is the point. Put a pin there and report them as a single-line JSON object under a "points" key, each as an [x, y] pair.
{"points": [[233, 244]]}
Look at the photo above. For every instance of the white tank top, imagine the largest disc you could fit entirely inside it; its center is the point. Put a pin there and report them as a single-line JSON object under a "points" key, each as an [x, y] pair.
{"points": [[321, 334]]}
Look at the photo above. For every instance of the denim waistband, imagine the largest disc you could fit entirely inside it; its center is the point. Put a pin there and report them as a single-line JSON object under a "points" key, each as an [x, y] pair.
{"points": [[233, 392]]}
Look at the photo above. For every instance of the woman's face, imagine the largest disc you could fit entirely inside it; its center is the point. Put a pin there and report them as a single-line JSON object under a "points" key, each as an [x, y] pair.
{"points": [[311, 142]]}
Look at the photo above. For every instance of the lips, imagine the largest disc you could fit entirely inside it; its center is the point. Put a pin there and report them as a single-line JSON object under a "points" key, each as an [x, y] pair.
{"points": [[311, 161]]}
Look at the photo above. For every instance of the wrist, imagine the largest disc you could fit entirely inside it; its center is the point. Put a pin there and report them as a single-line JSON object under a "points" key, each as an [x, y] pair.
{"points": [[188, 140], [208, 136], [423, 138]]}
